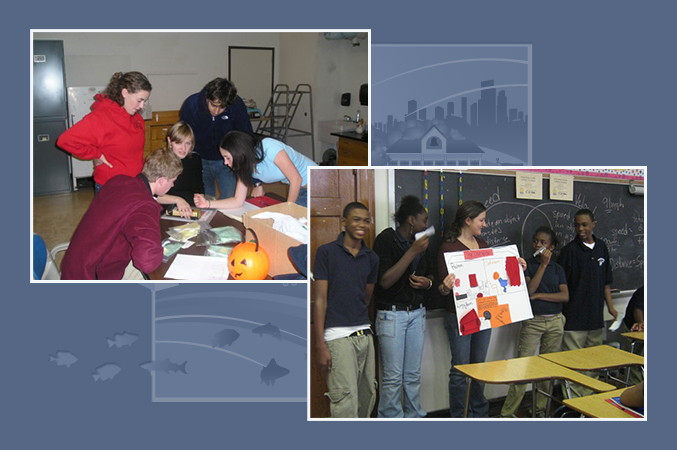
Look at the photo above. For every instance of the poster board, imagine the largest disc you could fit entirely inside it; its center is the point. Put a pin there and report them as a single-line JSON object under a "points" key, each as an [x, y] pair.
{"points": [[490, 289]]}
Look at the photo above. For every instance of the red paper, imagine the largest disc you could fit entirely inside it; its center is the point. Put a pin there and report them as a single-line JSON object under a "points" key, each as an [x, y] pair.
{"points": [[512, 269], [263, 201], [470, 323], [474, 254]]}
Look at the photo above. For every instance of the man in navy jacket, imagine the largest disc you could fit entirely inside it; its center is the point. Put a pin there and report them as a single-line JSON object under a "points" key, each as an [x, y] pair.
{"points": [[212, 113]]}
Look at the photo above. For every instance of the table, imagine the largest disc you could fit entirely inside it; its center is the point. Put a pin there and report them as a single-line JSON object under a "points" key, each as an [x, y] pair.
{"points": [[635, 336], [219, 220], [599, 358], [529, 369], [597, 406]]}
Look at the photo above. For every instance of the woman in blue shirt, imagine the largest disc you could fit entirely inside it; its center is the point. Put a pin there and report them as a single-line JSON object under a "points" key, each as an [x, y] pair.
{"points": [[255, 161]]}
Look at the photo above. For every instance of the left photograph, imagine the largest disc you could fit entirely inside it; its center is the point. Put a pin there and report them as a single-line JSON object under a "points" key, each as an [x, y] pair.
{"points": [[184, 155]]}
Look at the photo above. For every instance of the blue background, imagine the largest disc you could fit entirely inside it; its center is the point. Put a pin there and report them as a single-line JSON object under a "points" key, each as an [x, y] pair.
{"points": [[603, 93]]}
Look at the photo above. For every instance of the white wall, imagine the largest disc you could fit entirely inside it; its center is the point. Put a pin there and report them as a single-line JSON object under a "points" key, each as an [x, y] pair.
{"points": [[181, 63], [331, 67]]}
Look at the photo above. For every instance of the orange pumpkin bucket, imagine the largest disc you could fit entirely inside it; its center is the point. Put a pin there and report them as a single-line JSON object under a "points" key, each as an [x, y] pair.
{"points": [[248, 260]]}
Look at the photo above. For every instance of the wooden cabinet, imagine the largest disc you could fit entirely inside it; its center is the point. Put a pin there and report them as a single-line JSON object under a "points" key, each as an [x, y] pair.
{"points": [[352, 149], [157, 128]]}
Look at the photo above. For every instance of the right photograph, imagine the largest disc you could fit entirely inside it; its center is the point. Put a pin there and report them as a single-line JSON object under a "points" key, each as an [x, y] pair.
{"points": [[466, 293]]}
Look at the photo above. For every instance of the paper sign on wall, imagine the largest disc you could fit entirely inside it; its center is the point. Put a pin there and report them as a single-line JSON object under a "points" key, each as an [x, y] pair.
{"points": [[562, 187], [490, 288]]}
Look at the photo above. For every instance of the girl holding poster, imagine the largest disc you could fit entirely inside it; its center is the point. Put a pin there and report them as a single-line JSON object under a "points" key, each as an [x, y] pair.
{"points": [[463, 235]]}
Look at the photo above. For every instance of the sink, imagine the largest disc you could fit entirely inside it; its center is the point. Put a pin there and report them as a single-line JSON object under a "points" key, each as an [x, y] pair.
{"points": [[336, 125]]}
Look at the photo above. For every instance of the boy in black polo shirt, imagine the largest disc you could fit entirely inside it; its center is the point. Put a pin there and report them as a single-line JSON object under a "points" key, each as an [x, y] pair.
{"points": [[588, 269], [345, 272]]}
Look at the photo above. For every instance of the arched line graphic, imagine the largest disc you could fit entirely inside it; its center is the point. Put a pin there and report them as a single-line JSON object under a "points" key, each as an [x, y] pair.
{"points": [[199, 316], [519, 61], [211, 348]]}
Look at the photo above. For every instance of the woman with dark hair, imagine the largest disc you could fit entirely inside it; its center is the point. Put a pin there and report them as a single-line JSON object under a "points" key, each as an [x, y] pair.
{"points": [[405, 273], [113, 134], [255, 161], [462, 235]]}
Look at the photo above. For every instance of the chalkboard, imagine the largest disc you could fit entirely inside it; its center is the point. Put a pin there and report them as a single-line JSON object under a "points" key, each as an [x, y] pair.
{"points": [[412, 182], [619, 215]]}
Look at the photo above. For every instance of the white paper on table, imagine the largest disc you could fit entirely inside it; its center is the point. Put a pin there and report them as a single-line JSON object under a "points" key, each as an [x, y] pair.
{"points": [[195, 267], [237, 213]]}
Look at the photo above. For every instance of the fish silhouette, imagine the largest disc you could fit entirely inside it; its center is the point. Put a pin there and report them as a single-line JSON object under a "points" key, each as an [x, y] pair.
{"points": [[63, 358], [268, 328], [165, 366], [106, 372], [272, 372], [121, 339], [225, 337]]}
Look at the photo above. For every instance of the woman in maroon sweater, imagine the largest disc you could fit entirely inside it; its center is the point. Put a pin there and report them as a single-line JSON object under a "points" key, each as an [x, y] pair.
{"points": [[462, 235]]}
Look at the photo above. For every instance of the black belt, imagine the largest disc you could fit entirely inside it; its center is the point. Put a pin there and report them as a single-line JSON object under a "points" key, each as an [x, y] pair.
{"points": [[365, 332], [399, 307]]}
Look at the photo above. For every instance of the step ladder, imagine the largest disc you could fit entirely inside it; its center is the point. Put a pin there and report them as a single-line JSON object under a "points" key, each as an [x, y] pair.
{"points": [[280, 111]]}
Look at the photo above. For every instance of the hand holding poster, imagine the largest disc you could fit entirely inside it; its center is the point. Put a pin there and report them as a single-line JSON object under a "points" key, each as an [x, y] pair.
{"points": [[490, 289]]}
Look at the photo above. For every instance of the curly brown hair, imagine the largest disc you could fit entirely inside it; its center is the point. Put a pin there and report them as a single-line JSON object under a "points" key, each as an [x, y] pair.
{"points": [[132, 81]]}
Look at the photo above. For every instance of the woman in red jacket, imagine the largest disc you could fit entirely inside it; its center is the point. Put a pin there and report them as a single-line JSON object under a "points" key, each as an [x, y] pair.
{"points": [[113, 134]]}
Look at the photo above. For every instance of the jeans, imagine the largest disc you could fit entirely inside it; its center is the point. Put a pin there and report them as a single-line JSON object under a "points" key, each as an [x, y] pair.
{"points": [[467, 349], [302, 199], [212, 170], [400, 337], [351, 382]]}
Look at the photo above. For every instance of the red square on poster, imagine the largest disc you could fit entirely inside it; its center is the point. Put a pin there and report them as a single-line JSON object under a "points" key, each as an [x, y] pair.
{"points": [[473, 280]]}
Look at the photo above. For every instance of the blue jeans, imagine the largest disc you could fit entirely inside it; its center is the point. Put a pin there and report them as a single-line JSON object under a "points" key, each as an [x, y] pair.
{"points": [[400, 338], [302, 199], [468, 349], [216, 170]]}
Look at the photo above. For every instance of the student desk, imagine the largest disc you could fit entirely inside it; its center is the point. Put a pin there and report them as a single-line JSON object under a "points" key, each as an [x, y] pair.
{"points": [[601, 357], [597, 406], [529, 369], [219, 220], [635, 336]]}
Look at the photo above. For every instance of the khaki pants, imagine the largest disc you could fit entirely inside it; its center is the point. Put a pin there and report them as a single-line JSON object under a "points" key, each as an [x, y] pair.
{"points": [[352, 378], [574, 340], [132, 273], [542, 333]]}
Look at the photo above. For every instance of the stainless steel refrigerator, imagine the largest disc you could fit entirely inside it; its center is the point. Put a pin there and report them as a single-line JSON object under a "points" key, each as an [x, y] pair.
{"points": [[51, 165]]}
